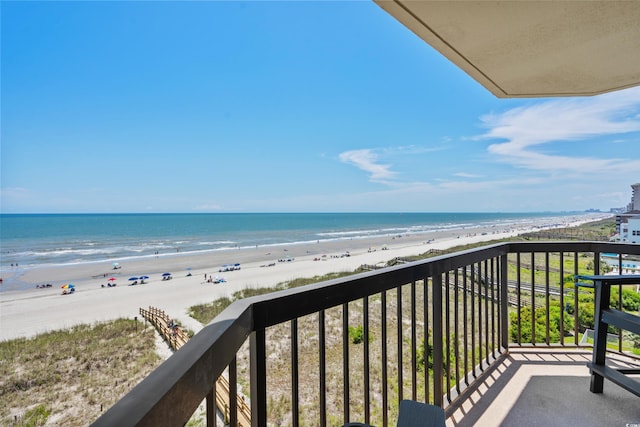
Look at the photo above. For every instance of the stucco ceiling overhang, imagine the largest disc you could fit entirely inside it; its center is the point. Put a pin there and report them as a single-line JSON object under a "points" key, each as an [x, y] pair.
{"points": [[532, 48]]}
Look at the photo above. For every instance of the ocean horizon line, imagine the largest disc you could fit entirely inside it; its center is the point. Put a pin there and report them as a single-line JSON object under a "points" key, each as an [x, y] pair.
{"points": [[562, 212]]}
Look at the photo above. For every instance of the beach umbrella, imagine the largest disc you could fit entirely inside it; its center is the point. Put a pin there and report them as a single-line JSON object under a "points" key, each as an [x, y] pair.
{"points": [[115, 264], [133, 278], [112, 279], [68, 286], [166, 274], [144, 277]]}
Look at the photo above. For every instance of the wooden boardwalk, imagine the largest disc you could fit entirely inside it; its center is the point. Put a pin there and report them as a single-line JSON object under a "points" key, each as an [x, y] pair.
{"points": [[176, 338], [172, 333]]}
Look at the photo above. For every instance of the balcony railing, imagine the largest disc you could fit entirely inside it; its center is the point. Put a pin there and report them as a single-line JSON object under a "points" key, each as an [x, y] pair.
{"points": [[351, 349]]}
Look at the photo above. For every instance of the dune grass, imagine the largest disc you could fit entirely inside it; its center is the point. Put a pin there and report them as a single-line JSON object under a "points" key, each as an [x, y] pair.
{"points": [[69, 377], [205, 313]]}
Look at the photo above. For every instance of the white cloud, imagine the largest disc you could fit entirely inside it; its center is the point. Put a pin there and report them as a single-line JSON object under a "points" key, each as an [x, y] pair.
{"points": [[413, 149], [367, 160], [467, 175], [542, 136], [525, 129], [209, 207], [14, 192]]}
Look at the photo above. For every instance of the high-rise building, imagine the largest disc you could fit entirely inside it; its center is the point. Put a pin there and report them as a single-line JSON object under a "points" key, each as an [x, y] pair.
{"points": [[635, 197], [632, 213]]}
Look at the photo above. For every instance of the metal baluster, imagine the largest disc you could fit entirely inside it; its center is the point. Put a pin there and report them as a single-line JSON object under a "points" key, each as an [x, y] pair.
{"points": [[447, 335], [345, 361], [456, 336], [295, 392], [426, 338], [465, 329], [533, 299], [504, 301], [546, 296], [365, 321], [562, 304], [211, 407], [437, 339], [383, 327], [519, 296], [492, 285], [258, 374], [322, 368], [575, 299], [473, 319], [399, 343], [414, 345], [233, 393]]}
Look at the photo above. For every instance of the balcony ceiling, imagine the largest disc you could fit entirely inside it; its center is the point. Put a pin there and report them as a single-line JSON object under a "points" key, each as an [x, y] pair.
{"points": [[532, 48]]}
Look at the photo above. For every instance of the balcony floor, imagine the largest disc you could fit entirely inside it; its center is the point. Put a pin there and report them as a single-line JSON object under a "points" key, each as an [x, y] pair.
{"points": [[547, 387]]}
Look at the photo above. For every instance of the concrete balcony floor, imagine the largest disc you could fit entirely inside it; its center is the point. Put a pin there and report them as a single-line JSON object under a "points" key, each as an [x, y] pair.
{"points": [[548, 387]]}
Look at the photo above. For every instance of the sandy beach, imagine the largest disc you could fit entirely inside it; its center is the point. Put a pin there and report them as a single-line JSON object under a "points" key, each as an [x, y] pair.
{"points": [[29, 312]]}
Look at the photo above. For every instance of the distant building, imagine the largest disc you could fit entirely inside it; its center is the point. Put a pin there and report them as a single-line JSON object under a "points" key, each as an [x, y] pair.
{"points": [[633, 230], [628, 222], [628, 227], [635, 197]]}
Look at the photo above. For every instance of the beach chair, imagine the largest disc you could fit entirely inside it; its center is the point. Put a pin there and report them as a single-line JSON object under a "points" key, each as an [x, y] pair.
{"points": [[414, 414]]}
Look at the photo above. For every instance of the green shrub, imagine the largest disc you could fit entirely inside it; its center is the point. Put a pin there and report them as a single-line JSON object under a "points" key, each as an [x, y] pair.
{"points": [[630, 302], [540, 324], [428, 349], [357, 334], [36, 416], [630, 299]]}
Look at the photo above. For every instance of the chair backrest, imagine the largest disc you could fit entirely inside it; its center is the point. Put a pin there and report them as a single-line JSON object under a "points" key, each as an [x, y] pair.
{"points": [[416, 414]]}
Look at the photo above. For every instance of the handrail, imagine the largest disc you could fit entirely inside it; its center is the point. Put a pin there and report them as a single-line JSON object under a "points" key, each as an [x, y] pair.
{"points": [[171, 393]]}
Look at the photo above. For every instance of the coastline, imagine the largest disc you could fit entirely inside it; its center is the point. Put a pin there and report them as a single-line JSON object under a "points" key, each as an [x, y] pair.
{"points": [[25, 313]]}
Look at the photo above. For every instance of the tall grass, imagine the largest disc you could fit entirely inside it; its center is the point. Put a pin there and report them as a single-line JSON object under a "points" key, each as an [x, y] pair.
{"points": [[70, 376], [205, 313]]}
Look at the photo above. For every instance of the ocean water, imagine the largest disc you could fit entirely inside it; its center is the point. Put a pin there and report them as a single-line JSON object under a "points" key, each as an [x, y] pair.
{"points": [[55, 239]]}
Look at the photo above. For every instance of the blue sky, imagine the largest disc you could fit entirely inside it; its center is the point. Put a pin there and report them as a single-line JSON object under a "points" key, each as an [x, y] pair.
{"points": [[282, 106]]}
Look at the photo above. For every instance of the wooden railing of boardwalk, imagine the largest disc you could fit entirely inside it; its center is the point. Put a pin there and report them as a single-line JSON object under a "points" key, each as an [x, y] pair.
{"points": [[172, 333], [176, 337], [398, 260]]}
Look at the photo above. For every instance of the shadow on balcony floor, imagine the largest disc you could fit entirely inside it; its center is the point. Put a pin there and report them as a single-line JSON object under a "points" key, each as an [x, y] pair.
{"points": [[542, 387]]}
